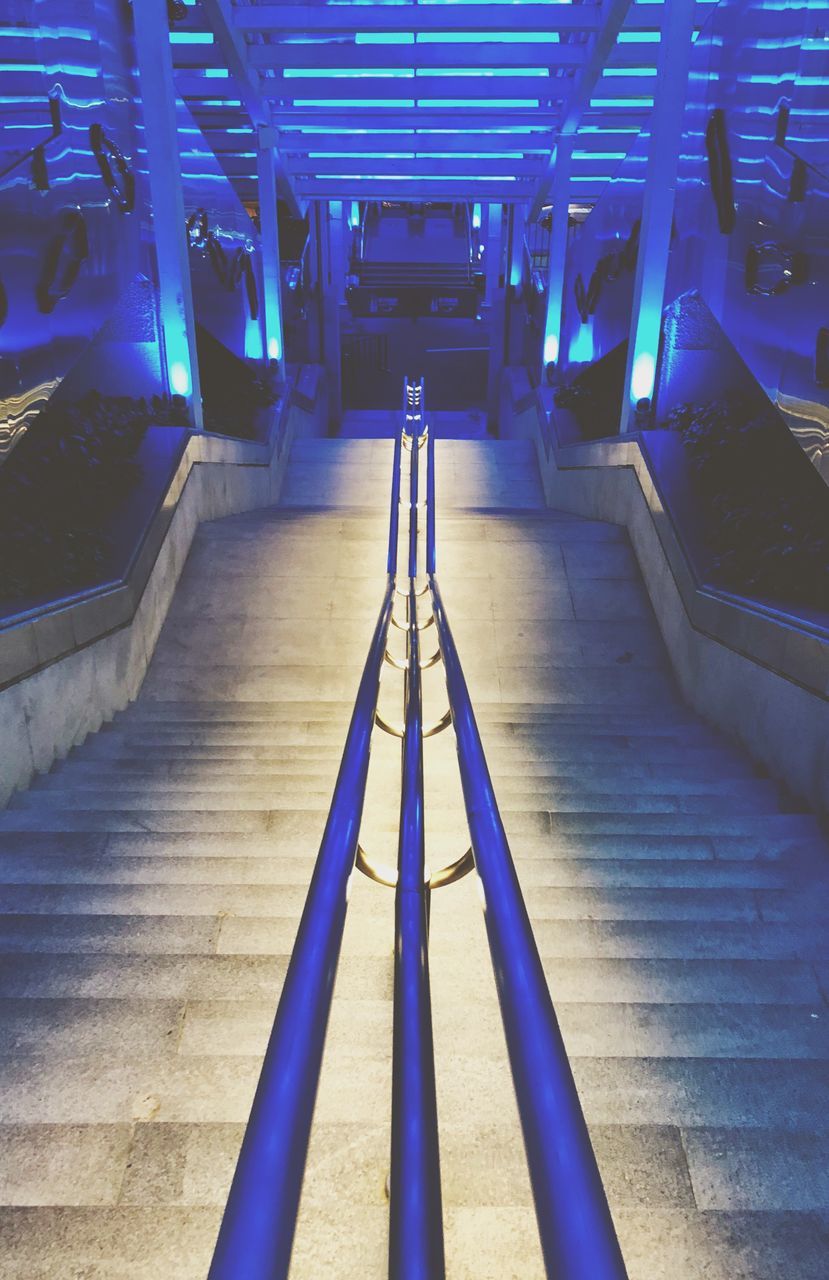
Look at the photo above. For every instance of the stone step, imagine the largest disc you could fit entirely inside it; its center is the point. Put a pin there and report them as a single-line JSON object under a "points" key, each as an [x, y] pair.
{"points": [[792, 1095], [326, 730], [163, 710], [277, 900], [270, 868], [78, 772], [750, 799], [800, 829], [499, 755]]}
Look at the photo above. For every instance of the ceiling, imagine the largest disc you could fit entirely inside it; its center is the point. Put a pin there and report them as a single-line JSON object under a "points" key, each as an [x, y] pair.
{"points": [[413, 101]]}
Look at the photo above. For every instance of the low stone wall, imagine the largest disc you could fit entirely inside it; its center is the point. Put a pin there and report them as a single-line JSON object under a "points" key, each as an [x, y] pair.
{"points": [[66, 669], [759, 675]]}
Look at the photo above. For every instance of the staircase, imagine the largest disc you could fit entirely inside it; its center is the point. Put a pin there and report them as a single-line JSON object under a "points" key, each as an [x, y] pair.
{"points": [[152, 884]]}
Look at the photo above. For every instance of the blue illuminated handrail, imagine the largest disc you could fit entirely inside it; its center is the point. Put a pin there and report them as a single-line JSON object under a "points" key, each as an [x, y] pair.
{"points": [[257, 1231], [415, 1211], [578, 1238]]}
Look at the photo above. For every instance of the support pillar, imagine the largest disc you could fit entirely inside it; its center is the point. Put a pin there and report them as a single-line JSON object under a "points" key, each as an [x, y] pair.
{"points": [[658, 207], [494, 250], [269, 239], [158, 94], [496, 309], [516, 292], [551, 345], [332, 284]]}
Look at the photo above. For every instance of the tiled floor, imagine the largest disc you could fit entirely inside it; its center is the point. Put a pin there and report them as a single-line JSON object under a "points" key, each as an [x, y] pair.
{"points": [[153, 882]]}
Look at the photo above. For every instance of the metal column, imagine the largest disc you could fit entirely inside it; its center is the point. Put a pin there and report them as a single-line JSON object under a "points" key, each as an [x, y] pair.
{"points": [[158, 95], [558, 252], [269, 230], [658, 207]]}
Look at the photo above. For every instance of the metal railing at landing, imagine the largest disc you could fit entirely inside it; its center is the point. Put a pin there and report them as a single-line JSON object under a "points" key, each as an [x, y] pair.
{"points": [[578, 1239]]}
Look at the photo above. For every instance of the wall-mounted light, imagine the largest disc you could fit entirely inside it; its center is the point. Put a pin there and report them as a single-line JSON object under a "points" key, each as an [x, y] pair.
{"points": [[179, 378], [551, 345], [642, 377]]}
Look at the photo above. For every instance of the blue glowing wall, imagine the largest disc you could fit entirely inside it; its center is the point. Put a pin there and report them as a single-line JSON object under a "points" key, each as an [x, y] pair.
{"points": [[759, 263], [62, 219]]}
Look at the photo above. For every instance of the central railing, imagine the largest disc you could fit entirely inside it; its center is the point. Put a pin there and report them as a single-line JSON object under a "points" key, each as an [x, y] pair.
{"points": [[578, 1239]]}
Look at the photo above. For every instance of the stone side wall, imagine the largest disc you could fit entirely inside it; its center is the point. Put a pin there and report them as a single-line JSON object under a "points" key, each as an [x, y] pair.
{"points": [[761, 677], [72, 668]]}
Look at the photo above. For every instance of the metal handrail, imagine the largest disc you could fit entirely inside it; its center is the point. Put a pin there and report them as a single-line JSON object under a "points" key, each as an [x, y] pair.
{"points": [[578, 1238], [415, 1212], [257, 1230]]}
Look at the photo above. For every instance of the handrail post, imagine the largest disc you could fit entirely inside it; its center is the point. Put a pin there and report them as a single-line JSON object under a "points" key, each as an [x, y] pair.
{"points": [[416, 1215], [414, 455]]}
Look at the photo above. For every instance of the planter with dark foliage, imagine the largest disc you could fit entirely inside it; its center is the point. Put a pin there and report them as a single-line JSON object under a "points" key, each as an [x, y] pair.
{"points": [[63, 487], [594, 397], [765, 510], [234, 392]]}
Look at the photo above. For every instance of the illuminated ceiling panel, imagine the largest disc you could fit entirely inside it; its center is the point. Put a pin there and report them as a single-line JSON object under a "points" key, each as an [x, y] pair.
{"points": [[433, 99]]}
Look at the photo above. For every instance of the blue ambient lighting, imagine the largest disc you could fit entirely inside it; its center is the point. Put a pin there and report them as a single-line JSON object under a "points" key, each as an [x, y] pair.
{"points": [[179, 379], [642, 377], [191, 37]]}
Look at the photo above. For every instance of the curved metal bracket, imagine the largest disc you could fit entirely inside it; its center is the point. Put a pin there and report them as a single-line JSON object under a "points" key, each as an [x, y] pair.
{"points": [[455, 871], [382, 873], [379, 872], [406, 594], [396, 731], [400, 664], [386, 727], [404, 626], [439, 726]]}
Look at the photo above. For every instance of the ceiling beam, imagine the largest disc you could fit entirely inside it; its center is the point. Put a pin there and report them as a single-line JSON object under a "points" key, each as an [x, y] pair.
{"points": [[415, 189], [346, 121], [419, 166], [233, 48], [310, 18], [602, 44], [365, 57], [529, 89], [447, 143]]}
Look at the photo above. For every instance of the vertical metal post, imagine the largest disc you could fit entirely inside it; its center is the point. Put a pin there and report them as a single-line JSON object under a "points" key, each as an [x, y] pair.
{"points": [[494, 220], [414, 454], [658, 207], [158, 98], [558, 252], [518, 222], [332, 284], [269, 236], [514, 326], [496, 305]]}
